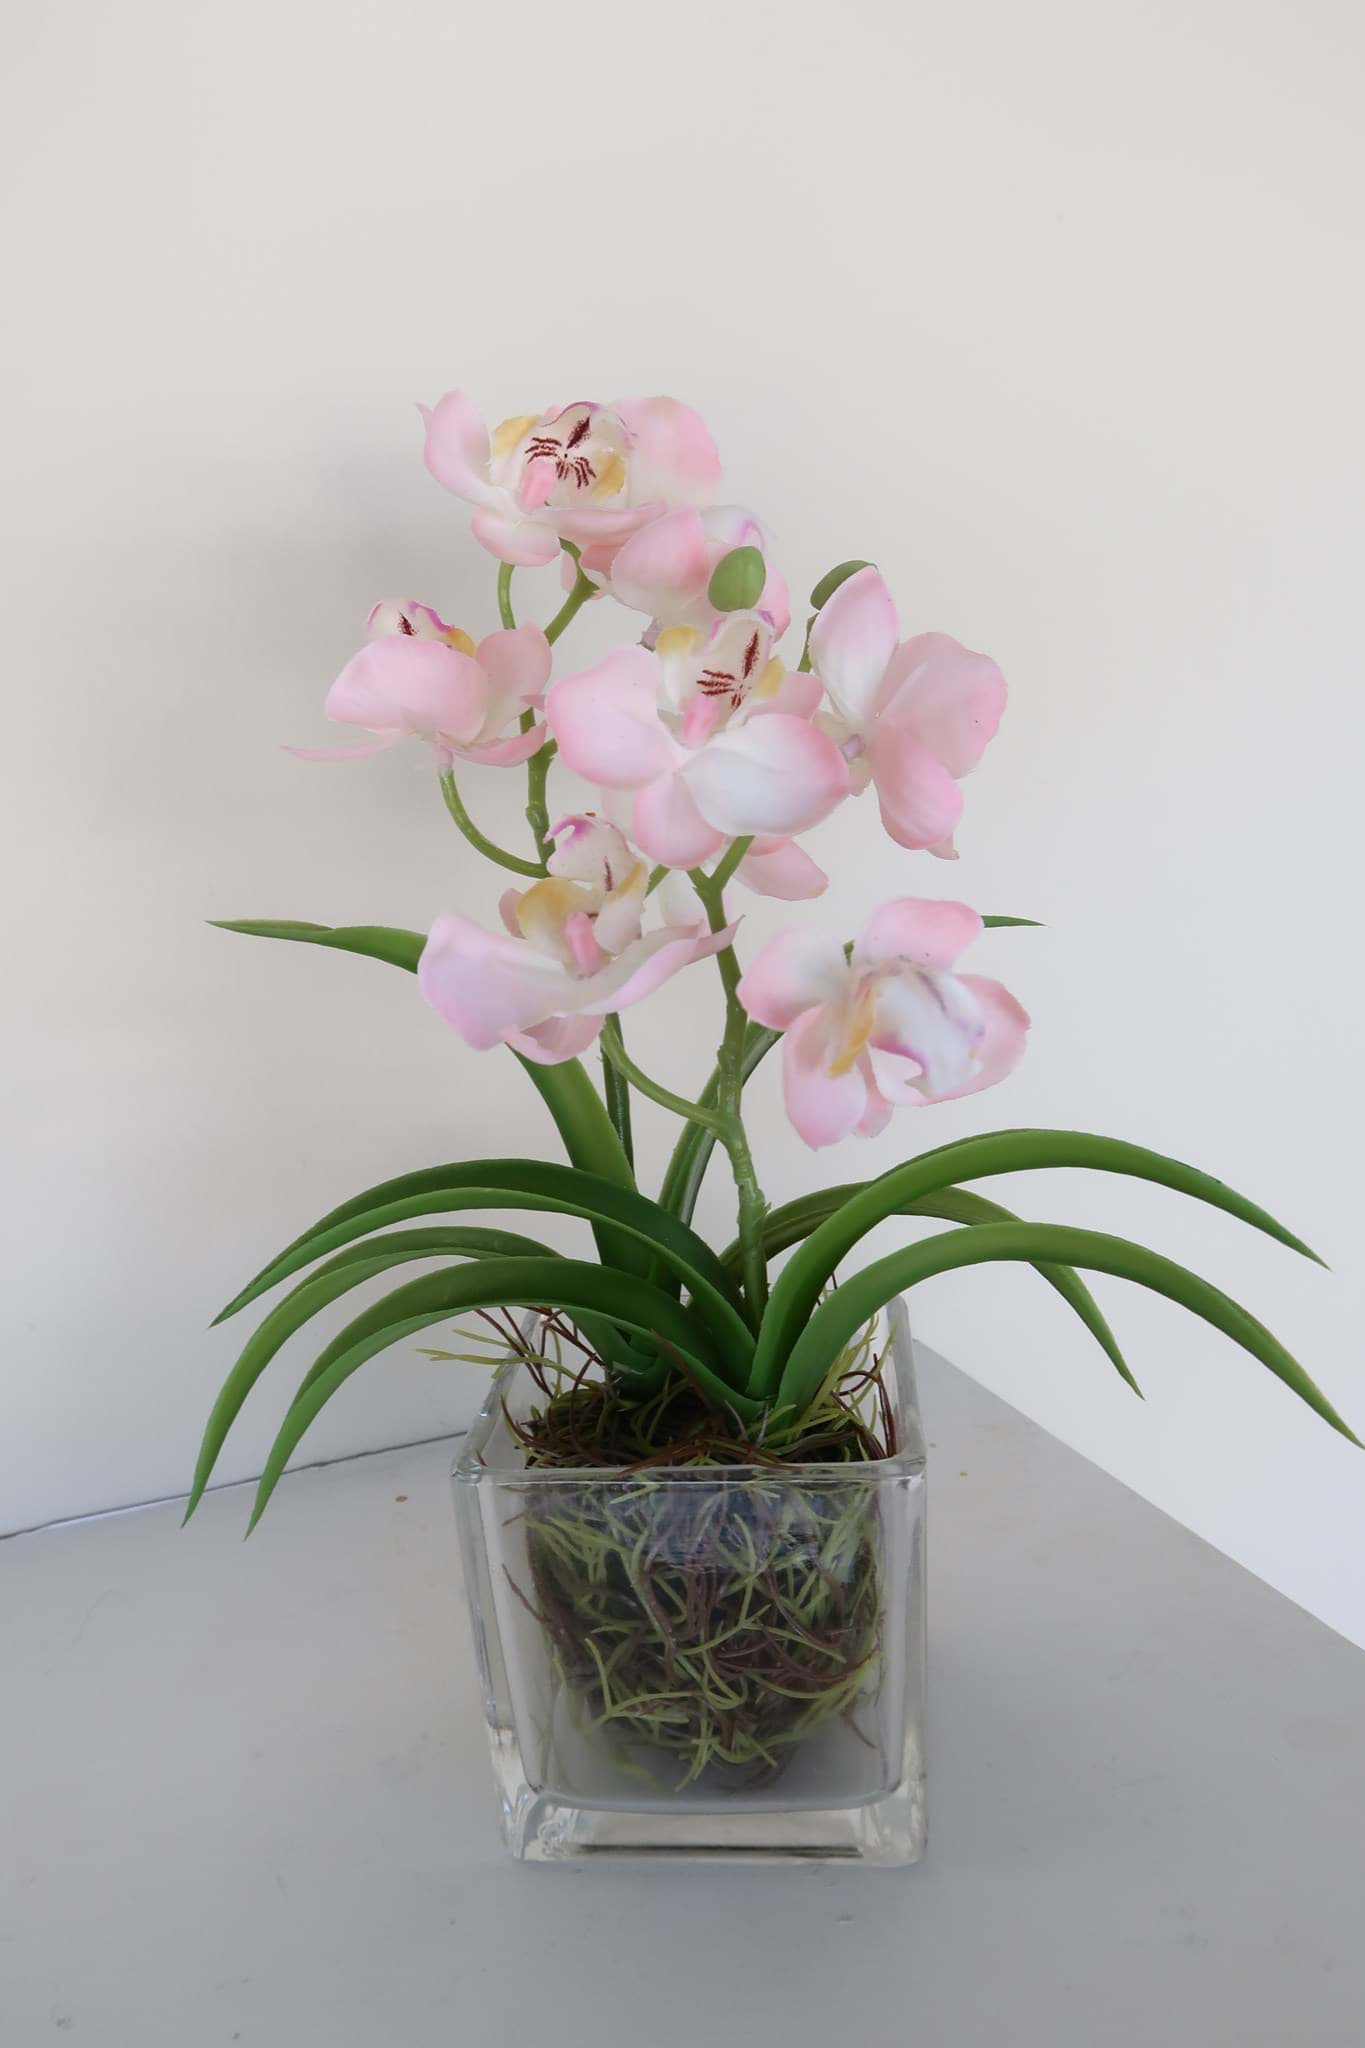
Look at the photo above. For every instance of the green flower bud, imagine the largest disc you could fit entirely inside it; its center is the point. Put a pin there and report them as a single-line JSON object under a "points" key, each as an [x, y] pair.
{"points": [[826, 587], [737, 580]]}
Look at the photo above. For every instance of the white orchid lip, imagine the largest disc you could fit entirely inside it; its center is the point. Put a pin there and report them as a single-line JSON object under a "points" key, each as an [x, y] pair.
{"points": [[699, 771], [706, 679], [561, 458], [593, 474], [588, 908]]}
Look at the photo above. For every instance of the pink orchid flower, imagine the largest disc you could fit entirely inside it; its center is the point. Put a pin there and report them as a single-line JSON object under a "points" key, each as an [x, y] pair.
{"points": [[584, 472], [418, 678], [708, 732], [575, 953], [913, 719], [893, 1025], [665, 569]]}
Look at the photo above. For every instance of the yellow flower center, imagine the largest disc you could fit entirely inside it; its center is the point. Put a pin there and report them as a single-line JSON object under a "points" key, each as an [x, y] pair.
{"points": [[857, 1028]]}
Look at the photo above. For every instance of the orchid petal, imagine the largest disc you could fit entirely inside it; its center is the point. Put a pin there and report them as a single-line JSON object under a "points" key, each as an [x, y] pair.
{"points": [[593, 525], [607, 723], [852, 642], [733, 526], [927, 934], [797, 693], [457, 450], [898, 1078], [406, 616], [508, 753], [667, 824], [679, 902], [651, 961], [823, 1107], [485, 985], [795, 972], [399, 684], [618, 921], [1005, 1039], [556, 1040], [949, 698], [781, 868], [666, 562], [933, 1019], [877, 1113], [518, 541], [775, 600], [773, 774], [590, 849], [585, 955], [920, 802], [517, 662], [672, 455]]}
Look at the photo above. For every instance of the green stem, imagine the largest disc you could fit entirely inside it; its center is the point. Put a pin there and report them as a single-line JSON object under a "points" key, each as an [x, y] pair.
{"points": [[616, 1087], [730, 860], [583, 589], [538, 767], [752, 1208], [614, 1052], [480, 840], [537, 811], [691, 1154]]}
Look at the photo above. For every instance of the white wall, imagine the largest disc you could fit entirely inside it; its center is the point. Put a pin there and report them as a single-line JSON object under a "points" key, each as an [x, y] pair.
{"points": [[1054, 310]]}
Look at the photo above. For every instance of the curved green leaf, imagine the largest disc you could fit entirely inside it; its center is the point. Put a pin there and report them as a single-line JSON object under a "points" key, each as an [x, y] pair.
{"points": [[527, 1184], [568, 1094], [788, 1225], [590, 1138], [568, 1284], [375, 941], [806, 1275], [581, 1118], [347, 1270], [850, 1305]]}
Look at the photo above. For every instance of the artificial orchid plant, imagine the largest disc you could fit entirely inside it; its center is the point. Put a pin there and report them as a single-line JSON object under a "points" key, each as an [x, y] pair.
{"points": [[712, 757]]}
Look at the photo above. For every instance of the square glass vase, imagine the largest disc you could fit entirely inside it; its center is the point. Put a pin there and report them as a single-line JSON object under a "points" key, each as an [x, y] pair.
{"points": [[704, 1663]]}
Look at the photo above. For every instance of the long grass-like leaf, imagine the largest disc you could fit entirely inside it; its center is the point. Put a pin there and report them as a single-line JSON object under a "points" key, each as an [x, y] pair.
{"points": [[788, 1225], [580, 1116], [568, 1284], [527, 1184], [860, 1296], [800, 1284], [374, 941], [350, 1268]]}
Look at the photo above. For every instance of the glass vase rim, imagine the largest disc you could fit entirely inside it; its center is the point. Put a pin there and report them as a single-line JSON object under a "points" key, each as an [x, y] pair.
{"points": [[470, 1467]]}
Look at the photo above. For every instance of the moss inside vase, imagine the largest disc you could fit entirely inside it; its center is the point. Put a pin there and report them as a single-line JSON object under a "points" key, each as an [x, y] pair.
{"points": [[719, 1599]]}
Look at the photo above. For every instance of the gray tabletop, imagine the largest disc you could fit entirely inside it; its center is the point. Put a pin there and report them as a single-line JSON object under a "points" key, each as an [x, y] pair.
{"points": [[245, 1796]]}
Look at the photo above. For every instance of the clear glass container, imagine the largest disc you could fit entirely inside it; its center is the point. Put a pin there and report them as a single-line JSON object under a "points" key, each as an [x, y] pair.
{"points": [[701, 1662]]}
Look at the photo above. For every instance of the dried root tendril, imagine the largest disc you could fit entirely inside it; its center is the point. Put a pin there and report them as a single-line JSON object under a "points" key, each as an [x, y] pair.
{"points": [[717, 1620]]}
